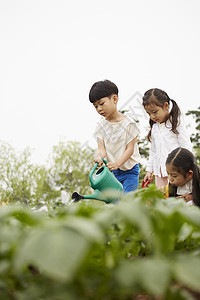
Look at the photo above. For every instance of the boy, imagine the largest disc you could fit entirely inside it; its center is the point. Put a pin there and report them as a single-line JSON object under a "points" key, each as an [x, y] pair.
{"points": [[117, 136]]}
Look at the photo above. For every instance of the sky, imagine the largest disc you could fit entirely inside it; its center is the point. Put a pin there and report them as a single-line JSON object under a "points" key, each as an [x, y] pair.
{"points": [[52, 51]]}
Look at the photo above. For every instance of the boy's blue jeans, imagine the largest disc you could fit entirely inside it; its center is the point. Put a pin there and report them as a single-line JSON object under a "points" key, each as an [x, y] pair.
{"points": [[129, 178]]}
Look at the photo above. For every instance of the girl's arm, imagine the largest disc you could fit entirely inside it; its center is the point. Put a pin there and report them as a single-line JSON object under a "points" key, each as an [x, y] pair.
{"points": [[148, 177], [124, 157], [187, 197], [101, 152]]}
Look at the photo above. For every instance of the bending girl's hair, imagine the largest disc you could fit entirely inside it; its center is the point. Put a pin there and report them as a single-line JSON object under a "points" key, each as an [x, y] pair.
{"points": [[159, 97], [184, 161]]}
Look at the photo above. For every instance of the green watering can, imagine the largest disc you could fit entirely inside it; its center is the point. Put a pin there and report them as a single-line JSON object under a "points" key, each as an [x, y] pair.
{"points": [[106, 186]]}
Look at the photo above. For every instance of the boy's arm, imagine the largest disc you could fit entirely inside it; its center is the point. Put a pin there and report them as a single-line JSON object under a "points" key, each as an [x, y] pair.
{"points": [[101, 152], [124, 157]]}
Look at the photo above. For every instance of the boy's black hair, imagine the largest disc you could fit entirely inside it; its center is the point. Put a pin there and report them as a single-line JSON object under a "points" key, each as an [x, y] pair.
{"points": [[184, 161], [101, 89]]}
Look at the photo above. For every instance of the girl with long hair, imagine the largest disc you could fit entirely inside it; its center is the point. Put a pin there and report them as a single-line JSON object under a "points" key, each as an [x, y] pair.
{"points": [[167, 132], [183, 174]]}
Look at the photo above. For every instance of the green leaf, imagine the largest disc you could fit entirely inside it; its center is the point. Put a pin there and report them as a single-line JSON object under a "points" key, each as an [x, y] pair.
{"points": [[152, 275], [185, 232], [4, 266], [23, 215], [58, 252], [86, 227], [187, 271], [191, 214], [136, 214]]}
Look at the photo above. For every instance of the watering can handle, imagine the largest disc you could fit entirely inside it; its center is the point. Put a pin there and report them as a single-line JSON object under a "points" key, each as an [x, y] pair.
{"points": [[94, 168], [92, 172], [105, 161]]}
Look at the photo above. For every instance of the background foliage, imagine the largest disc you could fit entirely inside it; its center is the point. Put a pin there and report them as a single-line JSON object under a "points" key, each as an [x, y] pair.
{"points": [[195, 138], [24, 182]]}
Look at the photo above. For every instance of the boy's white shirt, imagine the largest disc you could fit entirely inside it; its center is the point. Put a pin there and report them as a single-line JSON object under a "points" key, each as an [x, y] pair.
{"points": [[163, 141], [116, 136]]}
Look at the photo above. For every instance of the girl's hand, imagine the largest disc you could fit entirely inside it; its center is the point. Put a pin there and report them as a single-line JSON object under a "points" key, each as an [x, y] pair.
{"points": [[187, 197], [112, 166], [148, 177]]}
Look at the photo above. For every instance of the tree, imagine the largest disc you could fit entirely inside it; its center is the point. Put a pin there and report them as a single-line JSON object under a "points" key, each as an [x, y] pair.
{"points": [[35, 185], [144, 152], [70, 165], [195, 138], [21, 180]]}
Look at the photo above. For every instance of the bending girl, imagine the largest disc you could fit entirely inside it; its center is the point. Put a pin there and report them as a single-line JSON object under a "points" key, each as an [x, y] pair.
{"points": [[183, 175]]}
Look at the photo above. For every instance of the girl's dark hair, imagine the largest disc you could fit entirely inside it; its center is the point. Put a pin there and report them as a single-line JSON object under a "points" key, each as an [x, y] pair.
{"points": [[159, 97], [101, 89], [184, 161]]}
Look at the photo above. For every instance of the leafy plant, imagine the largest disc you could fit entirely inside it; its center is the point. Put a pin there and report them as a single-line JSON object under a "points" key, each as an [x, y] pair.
{"points": [[90, 250]]}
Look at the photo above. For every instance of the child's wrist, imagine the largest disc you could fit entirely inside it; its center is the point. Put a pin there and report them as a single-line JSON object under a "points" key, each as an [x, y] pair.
{"points": [[98, 156], [97, 159], [117, 164]]}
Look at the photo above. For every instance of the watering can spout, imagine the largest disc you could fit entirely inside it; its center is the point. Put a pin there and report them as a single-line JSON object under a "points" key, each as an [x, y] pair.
{"points": [[97, 196], [105, 185], [77, 197]]}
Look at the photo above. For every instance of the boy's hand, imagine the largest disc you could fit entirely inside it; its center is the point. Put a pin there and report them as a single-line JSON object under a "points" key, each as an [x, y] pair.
{"points": [[98, 160], [148, 177], [112, 166]]}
